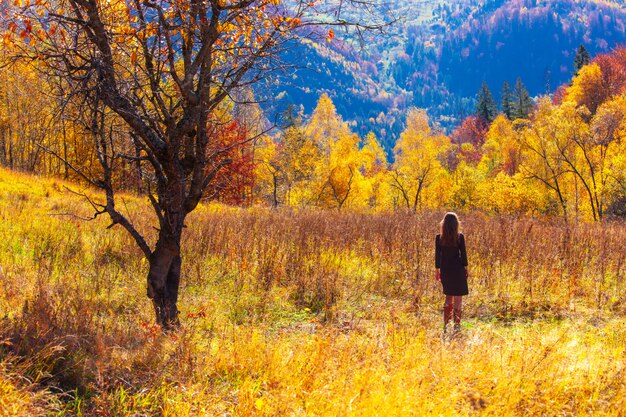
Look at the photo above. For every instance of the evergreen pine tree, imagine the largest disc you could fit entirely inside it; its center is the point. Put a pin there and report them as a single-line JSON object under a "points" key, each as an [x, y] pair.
{"points": [[582, 58], [507, 100], [486, 106], [522, 103]]}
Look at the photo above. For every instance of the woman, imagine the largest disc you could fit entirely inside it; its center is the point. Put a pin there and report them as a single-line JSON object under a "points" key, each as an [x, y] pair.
{"points": [[451, 264]]}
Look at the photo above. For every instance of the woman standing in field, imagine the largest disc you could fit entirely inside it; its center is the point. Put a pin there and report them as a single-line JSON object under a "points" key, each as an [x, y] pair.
{"points": [[451, 264]]}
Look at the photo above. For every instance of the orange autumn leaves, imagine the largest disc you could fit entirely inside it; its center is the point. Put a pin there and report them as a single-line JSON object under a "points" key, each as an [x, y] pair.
{"points": [[130, 24]]}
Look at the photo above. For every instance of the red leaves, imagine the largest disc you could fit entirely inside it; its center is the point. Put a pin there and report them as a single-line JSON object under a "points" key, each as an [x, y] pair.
{"points": [[472, 130], [233, 182], [613, 67], [200, 314], [13, 27]]}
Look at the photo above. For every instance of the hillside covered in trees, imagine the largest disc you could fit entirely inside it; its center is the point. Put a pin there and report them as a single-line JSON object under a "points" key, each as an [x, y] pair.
{"points": [[438, 54]]}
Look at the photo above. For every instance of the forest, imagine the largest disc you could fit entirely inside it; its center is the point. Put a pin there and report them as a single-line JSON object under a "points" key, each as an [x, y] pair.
{"points": [[168, 247], [561, 154], [437, 56]]}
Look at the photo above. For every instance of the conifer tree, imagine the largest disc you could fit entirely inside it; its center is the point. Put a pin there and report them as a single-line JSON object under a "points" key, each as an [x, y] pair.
{"points": [[582, 58], [507, 100], [522, 103], [486, 106]]}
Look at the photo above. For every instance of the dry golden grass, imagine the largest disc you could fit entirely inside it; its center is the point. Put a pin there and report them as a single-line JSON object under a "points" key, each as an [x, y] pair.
{"points": [[306, 313]]}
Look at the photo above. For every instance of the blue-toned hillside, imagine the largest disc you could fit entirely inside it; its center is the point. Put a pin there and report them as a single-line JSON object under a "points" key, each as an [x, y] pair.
{"points": [[440, 53]]}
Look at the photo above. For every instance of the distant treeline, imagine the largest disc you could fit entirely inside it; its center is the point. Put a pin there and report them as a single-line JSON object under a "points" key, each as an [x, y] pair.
{"points": [[563, 154]]}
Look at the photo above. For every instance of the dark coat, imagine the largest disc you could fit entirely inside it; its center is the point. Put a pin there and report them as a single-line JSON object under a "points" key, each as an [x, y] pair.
{"points": [[452, 262]]}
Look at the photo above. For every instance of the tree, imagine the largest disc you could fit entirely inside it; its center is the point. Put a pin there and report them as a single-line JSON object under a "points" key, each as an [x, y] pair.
{"points": [[469, 136], [584, 148], [486, 105], [267, 172], [587, 88], [298, 158], [608, 129], [25, 119], [233, 183], [541, 159], [164, 70], [417, 158], [522, 103], [337, 173], [374, 170], [581, 59], [507, 100], [501, 151], [613, 70]]}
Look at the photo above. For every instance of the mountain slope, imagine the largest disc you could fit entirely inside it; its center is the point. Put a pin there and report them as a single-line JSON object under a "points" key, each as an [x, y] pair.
{"points": [[439, 54]]}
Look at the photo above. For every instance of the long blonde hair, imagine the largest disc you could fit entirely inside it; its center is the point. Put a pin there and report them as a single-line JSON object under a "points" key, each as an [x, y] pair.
{"points": [[450, 226]]}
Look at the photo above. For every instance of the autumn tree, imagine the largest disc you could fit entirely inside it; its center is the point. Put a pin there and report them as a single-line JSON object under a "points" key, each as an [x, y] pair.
{"points": [[608, 130], [374, 170], [417, 155], [472, 130], [25, 119], [587, 89], [164, 69], [541, 160], [343, 173], [501, 188], [337, 170], [501, 151], [299, 157], [470, 136], [584, 148], [613, 70], [233, 183], [268, 170]]}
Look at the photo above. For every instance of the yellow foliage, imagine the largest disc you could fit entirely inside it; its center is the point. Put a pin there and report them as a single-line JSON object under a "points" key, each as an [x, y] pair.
{"points": [[586, 89], [325, 126], [504, 194], [501, 150], [418, 154]]}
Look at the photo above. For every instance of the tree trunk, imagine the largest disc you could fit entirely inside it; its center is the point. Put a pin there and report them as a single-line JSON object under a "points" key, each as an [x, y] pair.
{"points": [[275, 191], [164, 279]]}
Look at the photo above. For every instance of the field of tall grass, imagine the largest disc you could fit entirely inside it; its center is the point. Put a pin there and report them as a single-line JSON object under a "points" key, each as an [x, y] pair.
{"points": [[294, 313]]}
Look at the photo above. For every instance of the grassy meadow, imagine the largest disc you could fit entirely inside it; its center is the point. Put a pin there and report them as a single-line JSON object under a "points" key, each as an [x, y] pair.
{"points": [[305, 313]]}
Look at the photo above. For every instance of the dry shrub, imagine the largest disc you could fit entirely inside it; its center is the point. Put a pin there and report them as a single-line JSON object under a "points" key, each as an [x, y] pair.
{"points": [[519, 266]]}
